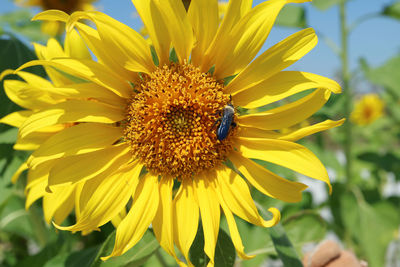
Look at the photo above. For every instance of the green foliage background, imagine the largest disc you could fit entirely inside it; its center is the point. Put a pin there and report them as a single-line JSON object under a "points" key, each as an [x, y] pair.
{"points": [[362, 217]]}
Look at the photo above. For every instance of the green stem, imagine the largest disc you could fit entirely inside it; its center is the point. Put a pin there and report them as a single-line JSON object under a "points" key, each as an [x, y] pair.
{"points": [[346, 91], [39, 226]]}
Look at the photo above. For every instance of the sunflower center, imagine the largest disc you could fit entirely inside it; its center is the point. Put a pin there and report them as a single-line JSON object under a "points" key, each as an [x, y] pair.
{"points": [[172, 120], [68, 6]]}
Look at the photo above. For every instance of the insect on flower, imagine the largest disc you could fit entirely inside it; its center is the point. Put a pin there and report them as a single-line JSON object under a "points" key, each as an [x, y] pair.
{"points": [[226, 121]]}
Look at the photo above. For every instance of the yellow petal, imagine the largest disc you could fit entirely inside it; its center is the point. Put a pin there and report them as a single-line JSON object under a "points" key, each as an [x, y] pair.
{"points": [[290, 136], [204, 185], [156, 27], [39, 173], [21, 169], [178, 25], [52, 201], [64, 209], [275, 59], [141, 214], [280, 86], [284, 153], [108, 199], [43, 53], [118, 219], [245, 131], [71, 111], [5, 73], [34, 80], [186, 217], [162, 223], [203, 15], [235, 236], [86, 91], [16, 118], [75, 47], [267, 182], [306, 131], [54, 49], [27, 96], [235, 11], [128, 47], [35, 192], [79, 139], [33, 140], [84, 190], [289, 114], [52, 15], [82, 167], [93, 41], [88, 70], [246, 38], [236, 195]]}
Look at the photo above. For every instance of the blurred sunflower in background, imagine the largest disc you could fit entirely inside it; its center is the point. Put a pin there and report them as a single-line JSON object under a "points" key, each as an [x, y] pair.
{"points": [[54, 28], [367, 109], [118, 135]]}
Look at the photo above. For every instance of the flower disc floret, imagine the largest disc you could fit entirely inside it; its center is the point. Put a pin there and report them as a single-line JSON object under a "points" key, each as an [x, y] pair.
{"points": [[172, 119]]}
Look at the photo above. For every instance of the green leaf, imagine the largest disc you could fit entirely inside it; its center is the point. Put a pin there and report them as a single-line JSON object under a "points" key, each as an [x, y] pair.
{"points": [[284, 247], [136, 256], [392, 10], [257, 241], [78, 258], [299, 231], [225, 253], [325, 4], [385, 75], [373, 227], [292, 16], [40, 259], [15, 219], [387, 161], [14, 53], [8, 136]]}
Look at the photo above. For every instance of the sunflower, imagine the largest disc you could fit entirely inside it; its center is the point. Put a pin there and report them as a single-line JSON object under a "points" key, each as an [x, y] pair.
{"points": [[367, 109], [53, 28], [145, 134]]}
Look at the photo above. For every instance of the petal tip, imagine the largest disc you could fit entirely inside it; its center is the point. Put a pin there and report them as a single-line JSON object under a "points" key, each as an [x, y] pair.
{"points": [[276, 217]]}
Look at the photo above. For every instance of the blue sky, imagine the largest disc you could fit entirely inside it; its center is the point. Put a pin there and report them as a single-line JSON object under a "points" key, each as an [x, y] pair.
{"points": [[376, 40]]}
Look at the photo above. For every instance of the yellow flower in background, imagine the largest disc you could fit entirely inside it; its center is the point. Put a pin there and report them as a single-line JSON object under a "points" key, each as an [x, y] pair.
{"points": [[367, 109], [53, 28], [122, 131]]}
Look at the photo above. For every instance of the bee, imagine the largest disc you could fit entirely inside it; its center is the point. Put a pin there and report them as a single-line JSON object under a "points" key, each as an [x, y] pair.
{"points": [[226, 122]]}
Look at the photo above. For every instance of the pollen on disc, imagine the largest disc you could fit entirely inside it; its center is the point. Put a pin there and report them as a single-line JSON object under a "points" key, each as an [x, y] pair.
{"points": [[171, 121]]}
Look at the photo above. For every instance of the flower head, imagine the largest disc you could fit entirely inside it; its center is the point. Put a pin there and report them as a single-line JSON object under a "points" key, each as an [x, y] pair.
{"points": [[367, 109], [128, 128]]}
